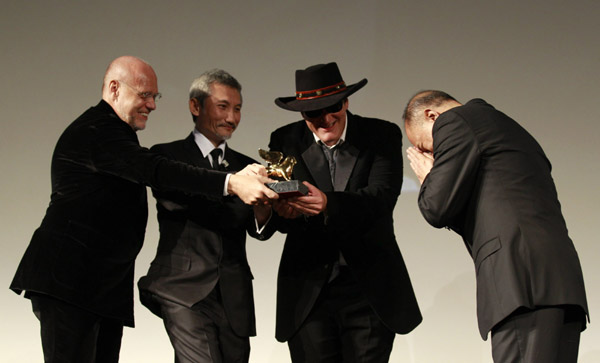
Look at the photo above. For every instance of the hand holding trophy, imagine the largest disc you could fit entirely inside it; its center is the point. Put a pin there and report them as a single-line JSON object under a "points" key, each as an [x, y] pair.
{"points": [[280, 168]]}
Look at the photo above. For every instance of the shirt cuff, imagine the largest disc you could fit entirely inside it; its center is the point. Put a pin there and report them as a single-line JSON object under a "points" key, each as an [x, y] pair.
{"points": [[260, 230], [226, 185]]}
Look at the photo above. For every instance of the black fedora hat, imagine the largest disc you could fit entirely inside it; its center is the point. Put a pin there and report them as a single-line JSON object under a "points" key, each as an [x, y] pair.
{"points": [[317, 87]]}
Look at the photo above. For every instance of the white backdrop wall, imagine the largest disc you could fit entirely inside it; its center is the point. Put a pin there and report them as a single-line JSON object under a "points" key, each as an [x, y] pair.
{"points": [[537, 61]]}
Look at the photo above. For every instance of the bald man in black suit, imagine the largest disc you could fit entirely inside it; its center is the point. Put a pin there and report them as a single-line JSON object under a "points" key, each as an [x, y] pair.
{"points": [[488, 179], [78, 268]]}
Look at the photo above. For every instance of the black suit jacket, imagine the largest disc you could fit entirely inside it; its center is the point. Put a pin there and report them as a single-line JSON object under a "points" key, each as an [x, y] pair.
{"points": [[203, 242], [491, 183], [84, 250], [359, 224]]}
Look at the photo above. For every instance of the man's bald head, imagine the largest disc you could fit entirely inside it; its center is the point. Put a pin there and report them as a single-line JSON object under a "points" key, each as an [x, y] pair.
{"points": [[130, 87], [421, 112], [127, 68], [423, 100]]}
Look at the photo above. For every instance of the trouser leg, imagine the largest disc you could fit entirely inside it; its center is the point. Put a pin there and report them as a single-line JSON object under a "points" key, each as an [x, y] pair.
{"points": [[342, 327], [203, 334], [546, 334], [71, 334]]}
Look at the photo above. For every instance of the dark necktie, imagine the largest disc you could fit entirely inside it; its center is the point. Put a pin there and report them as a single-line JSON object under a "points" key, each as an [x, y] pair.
{"points": [[330, 155], [215, 154]]}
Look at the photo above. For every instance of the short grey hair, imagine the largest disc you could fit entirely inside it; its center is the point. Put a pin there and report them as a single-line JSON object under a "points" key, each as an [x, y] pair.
{"points": [[200, 88]]}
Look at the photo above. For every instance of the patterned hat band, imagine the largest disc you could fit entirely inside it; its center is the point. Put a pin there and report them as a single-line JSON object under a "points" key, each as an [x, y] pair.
{"points": [[321, 92]]}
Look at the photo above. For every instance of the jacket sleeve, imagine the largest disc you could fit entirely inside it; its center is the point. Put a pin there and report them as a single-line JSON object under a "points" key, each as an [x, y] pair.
{"points": [[448, 186], [118, 153]]}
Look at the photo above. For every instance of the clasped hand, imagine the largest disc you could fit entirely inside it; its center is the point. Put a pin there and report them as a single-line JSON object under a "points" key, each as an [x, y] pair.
{"points": [[421, 162]]}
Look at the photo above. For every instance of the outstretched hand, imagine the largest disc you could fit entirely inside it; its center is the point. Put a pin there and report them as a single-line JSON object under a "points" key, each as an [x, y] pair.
{"points": [[253, 169], [251, 189]]}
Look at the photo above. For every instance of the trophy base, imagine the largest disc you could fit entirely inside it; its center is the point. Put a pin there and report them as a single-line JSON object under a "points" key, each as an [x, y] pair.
{"points": [[290, 188]]}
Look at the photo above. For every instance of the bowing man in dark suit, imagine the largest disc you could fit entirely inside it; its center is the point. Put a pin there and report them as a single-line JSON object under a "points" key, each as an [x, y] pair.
{"points": [[79, 266], [488, 179], [200, 283], [343, 290]]}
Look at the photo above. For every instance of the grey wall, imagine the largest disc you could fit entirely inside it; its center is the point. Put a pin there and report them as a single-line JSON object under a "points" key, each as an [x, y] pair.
{"points": [[537, 61]]}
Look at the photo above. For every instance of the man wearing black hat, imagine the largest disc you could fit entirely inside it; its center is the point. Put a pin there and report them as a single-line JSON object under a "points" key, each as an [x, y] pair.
{"points": [[343, 289]]}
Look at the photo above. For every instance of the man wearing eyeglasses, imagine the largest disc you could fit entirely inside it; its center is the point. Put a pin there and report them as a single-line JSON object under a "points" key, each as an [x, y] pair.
{"points": [[343, 289], [78, 268], [200, 282]]}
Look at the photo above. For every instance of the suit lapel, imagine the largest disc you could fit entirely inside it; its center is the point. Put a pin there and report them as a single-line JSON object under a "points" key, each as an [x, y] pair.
{"points": [[315, 161], [230, 162], [345, 161], [193, 154], [196, 158]]}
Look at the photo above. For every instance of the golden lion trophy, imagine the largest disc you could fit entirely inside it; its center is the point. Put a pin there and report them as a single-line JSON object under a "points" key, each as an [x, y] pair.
{"points": [[280, 168]]}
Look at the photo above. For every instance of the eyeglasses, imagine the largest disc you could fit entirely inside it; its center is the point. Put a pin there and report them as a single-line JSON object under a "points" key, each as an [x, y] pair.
{"points": [[144, 95], [323, 111]]}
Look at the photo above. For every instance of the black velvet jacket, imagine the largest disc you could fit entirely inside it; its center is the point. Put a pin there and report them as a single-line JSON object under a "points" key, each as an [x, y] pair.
{"points": [[85, 249]]}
